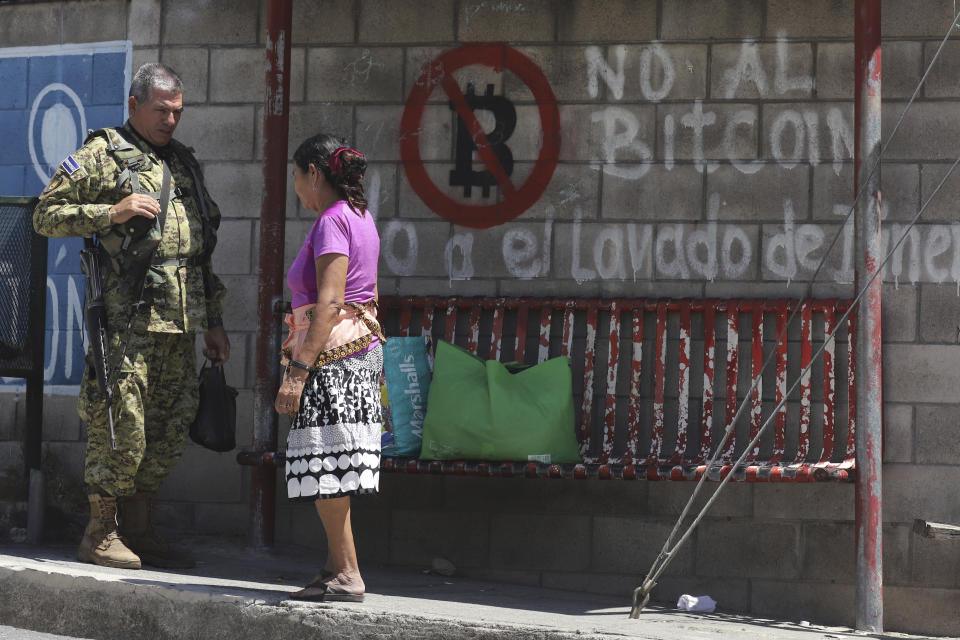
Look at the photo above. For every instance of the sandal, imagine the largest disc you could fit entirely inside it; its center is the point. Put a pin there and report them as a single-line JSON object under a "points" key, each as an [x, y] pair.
{"points": [[325, 592]]}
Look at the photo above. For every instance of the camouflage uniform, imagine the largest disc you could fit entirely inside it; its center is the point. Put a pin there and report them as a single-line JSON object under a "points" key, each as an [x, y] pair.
{"points": [[156, 393]]}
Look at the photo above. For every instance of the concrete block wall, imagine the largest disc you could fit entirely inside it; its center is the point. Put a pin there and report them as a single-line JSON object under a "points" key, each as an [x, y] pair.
{"points": [[672, 116]]}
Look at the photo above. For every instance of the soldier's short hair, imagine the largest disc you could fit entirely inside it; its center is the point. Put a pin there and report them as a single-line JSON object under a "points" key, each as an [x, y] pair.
{"points": [[154, 75]]}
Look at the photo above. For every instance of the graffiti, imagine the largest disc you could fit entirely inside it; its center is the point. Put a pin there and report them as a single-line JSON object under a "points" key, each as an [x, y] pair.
{"points": [[505, 120], [52, 95]]}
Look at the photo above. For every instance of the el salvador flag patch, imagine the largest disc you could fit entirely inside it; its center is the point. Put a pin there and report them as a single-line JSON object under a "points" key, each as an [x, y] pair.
{"points": [[70, 165]]}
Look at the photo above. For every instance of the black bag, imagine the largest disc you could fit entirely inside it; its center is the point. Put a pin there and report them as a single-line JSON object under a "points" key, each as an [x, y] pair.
{"points": [[215, 426]]}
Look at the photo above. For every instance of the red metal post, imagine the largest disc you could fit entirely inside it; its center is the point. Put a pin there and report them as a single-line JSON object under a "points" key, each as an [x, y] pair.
{"points": [[869, 434], [276, 114]]}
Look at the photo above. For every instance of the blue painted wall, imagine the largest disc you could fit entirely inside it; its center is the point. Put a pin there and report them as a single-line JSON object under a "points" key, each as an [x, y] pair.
{"points": [[51, 96]]}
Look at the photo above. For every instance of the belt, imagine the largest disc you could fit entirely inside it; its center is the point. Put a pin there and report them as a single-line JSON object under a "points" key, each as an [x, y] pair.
{"points": [[191, 261]]}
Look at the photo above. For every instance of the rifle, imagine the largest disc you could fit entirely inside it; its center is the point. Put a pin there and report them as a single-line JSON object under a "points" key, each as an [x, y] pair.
{"points": [[95, 317]]}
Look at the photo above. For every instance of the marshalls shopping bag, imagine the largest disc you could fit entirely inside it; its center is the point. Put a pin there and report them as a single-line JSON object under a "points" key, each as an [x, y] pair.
{"points": [[407, 366]]}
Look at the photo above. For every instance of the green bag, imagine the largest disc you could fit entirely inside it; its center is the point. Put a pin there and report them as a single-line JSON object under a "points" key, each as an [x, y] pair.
{"points": [[478, 410]]}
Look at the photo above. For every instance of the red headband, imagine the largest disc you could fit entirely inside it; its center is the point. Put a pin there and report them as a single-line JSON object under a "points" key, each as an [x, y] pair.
{"points": [[335, 163]]}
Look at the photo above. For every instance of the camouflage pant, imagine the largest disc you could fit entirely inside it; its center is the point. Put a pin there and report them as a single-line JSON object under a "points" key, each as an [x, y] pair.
{"points": [[155, 401]]}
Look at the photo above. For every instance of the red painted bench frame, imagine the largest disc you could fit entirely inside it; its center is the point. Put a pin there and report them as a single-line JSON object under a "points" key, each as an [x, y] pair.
{"points": [[417, 314]]}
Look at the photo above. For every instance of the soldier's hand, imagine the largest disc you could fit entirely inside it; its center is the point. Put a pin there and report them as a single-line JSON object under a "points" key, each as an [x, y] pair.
{"points": [[217, 345], [135, 204]]}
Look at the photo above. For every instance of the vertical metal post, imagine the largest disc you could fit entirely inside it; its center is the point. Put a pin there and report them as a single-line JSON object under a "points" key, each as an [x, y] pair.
{"points": [[272, 216], [869, 397]]}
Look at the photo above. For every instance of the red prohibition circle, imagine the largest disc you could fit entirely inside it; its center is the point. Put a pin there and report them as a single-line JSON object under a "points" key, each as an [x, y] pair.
{"points": [[514, 201]]}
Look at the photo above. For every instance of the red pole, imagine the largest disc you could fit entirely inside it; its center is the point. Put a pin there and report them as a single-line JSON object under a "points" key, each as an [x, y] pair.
{"points": [[869, 392], [263, 481]]}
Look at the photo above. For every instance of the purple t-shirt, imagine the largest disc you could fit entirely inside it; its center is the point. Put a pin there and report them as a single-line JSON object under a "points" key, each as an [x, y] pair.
{"points": [[341, 230]]}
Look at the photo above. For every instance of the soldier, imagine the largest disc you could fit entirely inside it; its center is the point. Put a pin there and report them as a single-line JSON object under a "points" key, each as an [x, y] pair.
{"points": [[140, 193]]}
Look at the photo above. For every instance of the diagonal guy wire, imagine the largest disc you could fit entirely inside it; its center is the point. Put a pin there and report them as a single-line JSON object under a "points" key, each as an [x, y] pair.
{"points": [[663, 556]]}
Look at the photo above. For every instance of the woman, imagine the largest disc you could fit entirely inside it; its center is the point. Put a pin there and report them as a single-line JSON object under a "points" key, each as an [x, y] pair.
{"points": [[333, 357]]}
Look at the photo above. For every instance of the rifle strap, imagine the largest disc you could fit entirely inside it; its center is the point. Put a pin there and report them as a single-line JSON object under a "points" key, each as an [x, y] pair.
{"points": [[164, 197]]}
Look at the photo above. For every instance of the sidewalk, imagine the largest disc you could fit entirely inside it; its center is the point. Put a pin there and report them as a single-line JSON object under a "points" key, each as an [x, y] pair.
{"points": [[239, 593]]}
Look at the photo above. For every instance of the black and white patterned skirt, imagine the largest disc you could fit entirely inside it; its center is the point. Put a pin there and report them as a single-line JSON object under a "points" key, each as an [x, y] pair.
{"points": [[333, 448]]}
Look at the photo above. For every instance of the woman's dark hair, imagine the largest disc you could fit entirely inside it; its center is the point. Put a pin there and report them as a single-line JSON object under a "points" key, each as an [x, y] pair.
{"points": [[342, 166]]}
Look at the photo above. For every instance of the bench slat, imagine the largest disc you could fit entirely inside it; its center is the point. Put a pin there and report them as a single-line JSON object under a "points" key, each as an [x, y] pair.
{"points": [[427, 319], [806, 394], [521, 343], [779, 436], [450, 327], [683, 384], [613, 362], [589, 357], [659, 385], [733, 360], [496, 339], [851, 387], [636, 369], [544, 351], [756, 381], [473, 341], [709, 355], [829, 387]]}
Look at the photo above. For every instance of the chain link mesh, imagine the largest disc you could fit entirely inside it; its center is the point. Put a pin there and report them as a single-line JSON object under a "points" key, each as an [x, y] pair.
{"points": [[18, 330]]}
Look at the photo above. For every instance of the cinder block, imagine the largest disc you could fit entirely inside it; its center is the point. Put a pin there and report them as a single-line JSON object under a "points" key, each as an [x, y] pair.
{"points": [[819, 501], [712, 124], [12, 416], [218, 133], [732, 594], [351, 74], [241, 298], [620, 20], [505, 21], [936, 563], [902, 483], [794, 80], [30, 25], [667, 499], [572, 187], [902, 69], [415, 492], [826, 603], [657, 72], [241, 360], [410, 248], [835, 68], [406, 21], [547, 542], [930, 131], [60, 419], [560, 287], [11, 459], [504, 576], [565, 68], [896, 553], [941, 83], [661, 194], [236, 75], [233, 255], [204, 476], [593, 251], [942, 207], [245, 415], [829, 551], [216, 22], [833, 192], [419, 286], [714, 19], [381, 190], [142, 56], [438, 173], [98, 21], [777, 265], [898, 433], [827, 20], [306, 530], [323, 21], [423, 70], [630, 545], [939, 307], [526, 141], [904, 19], [759, 197], [67, 458], [921, 610], [417, 537], [932, 373], [224, 519], [307, 120], [143, 22], [371, 533], [602, 583], [937, 441], [377, 129], [743, 549], [650, 289], [582, 131], [237, 188]]}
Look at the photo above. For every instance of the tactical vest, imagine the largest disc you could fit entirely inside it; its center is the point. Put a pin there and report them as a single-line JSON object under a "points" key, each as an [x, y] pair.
{"points": [[131, 244]]}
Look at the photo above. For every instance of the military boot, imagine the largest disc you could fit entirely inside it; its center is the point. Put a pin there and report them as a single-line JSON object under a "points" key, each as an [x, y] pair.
{"points": [[136, 527], [101, 543]]}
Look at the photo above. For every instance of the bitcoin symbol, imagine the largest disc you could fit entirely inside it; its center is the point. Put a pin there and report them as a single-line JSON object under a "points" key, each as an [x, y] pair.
{"points": [[505, 118]]}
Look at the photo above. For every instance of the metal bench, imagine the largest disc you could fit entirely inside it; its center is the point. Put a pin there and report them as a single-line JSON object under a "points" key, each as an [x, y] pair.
{"points": [[647, 407]]}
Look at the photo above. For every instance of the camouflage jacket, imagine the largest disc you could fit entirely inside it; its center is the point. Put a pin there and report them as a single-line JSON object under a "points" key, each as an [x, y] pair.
{"points": [[182, 293]]}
